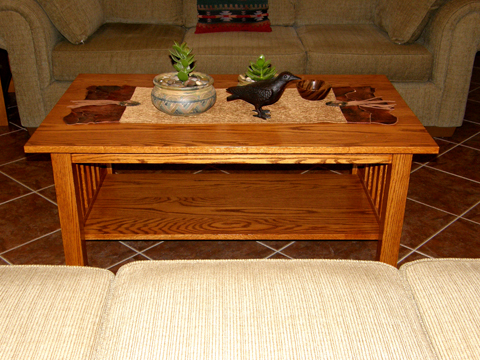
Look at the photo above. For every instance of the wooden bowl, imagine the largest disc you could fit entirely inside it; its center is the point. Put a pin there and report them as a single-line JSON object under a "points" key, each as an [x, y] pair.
{"points": [[313, 89]]}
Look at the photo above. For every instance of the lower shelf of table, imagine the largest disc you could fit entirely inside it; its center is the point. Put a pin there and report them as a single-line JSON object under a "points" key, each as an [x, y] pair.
{"points": [[243, 206]]}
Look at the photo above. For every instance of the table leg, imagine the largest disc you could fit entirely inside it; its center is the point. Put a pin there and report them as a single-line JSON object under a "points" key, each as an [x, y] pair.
{"points": [[393, 212], [69, 210]]}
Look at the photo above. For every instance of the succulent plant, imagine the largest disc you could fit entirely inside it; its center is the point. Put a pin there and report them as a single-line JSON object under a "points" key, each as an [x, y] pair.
{"points": [[182, 60], [260, 70]]}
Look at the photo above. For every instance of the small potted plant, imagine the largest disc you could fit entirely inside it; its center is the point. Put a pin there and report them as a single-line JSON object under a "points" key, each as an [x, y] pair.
{"points": [[262, 69], [185, 92]]}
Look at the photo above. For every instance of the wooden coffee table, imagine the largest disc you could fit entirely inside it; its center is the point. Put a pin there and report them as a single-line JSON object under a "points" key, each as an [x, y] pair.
{"points": [[95, 204]]}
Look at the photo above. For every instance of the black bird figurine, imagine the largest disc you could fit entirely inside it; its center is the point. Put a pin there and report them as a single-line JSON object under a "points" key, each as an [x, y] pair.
{"points": [[262, 93]]}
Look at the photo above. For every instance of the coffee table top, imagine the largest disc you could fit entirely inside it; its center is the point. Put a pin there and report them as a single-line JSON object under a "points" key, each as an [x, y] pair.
{"points": [[408, 136]]}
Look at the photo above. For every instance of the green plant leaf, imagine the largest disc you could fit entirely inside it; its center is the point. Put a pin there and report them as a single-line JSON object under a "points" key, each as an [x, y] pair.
{"points": [[183, 76]]}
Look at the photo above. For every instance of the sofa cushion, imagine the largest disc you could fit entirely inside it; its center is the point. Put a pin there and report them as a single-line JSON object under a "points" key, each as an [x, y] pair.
{"points": [[446, 293], [261, 309], [218, 16], [363, 49], [76, 20], [50, 312], [308, 12], [404, 20], [118, 48], [166, 12], [280, 12], [232, 52]]}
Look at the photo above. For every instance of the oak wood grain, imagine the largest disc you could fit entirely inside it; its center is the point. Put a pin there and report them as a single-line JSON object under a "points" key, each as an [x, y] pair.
{"points": [[235, 206], [407, 136], [232, 158], [69, 210]]}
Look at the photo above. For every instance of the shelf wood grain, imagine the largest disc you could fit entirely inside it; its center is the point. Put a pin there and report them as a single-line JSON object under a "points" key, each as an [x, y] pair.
{"points": [[236, 206]]}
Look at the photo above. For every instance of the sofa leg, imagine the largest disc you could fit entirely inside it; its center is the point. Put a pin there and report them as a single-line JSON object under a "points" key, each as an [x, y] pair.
{"points": [[437, 131]]}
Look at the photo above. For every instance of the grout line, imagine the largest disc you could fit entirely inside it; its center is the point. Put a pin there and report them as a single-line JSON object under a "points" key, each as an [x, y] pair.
{"points": [[11, 132], [275, 251], [29, 188], [449, 173], [446, 226], [142, 252], [432, 207], [128, 258], [17, 198], [30, 241], [8, 262], [14, 161]]}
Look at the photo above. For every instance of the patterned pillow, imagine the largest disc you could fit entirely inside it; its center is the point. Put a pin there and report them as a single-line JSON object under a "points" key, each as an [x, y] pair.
{"points": [[232, 15]]}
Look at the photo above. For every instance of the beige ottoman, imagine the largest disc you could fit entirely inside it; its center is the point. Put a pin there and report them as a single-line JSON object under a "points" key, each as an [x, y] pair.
{"points": [[50, 312], [261, 309], [447, 294]]}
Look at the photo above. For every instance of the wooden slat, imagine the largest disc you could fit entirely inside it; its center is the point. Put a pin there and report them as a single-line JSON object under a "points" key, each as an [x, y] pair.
{"points": [[235, 206], [232, 159]]}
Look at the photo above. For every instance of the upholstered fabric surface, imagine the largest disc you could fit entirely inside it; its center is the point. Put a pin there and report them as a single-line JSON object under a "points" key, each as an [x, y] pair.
{"points": [[50, 312], [118, 48], [261, 309], [308, 12], [362, 49], [168, 12], [216, 55], [404, 20], [76, 20], [280, 12], [447, 295]]}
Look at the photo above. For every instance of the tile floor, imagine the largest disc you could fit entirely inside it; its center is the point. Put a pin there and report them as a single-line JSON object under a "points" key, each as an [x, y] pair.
{"points": [[442, 215]]}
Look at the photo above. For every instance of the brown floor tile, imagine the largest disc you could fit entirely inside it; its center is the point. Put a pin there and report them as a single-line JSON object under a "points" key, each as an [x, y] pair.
{"points": [[2, 262], [473, 142], [170, 250], [472, 112], [25, 219], [49, 193], [474, 94], [279, 256], [412, 257], [34, 171], [461, 161], [276, 244], [461, 239], [115, 268], [360, 250], [474, 214], [10, 189], [47, 251], [467, 130], [141, 245], [104, 254], [473, 86], [8, 129], [11, 146], [421, 222], [443, 191]]}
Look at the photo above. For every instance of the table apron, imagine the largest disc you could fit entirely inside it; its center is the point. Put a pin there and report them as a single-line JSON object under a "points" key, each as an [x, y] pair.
{"points": [[232, 158]]}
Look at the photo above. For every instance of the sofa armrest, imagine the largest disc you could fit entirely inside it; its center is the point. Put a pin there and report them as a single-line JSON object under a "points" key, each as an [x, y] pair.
{"points": [[29, 36], [453, 37]]}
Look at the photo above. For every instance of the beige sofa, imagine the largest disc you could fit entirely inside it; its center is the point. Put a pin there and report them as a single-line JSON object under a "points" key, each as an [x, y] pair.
{"points": [[242, 309], [51, 41]]}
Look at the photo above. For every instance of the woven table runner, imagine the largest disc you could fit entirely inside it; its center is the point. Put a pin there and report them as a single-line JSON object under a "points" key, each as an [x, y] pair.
{"points": [[101, 106], [291, 108]]}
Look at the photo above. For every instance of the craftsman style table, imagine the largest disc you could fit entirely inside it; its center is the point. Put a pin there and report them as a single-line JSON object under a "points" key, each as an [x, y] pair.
{"points": [[96, 204]]}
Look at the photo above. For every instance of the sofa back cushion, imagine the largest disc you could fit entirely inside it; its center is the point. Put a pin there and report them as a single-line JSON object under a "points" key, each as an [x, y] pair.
{"points": [[280, 12], [404, 20], [168, 12], [310, 12], [76, 20]]}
